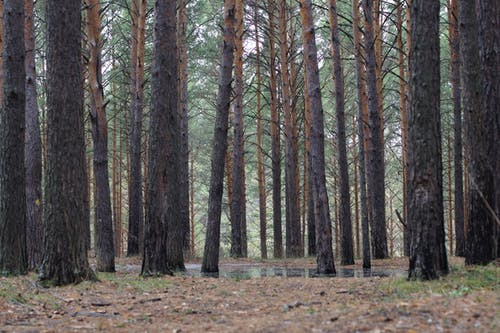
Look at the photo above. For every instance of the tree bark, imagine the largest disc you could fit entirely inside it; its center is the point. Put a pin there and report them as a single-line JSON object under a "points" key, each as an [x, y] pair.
{"points": [[324, 257], [362, 133], [136, 214], [457, 127], [66, 212], [163, 241], [238, 129], [182, 32], [103, 225], [425, 214], [33, 147], [480, 244], [311, 225], [212, 240], [260, 149], [292, 224], [13, 254], [376, 177], [275, 137], [345, 223]]}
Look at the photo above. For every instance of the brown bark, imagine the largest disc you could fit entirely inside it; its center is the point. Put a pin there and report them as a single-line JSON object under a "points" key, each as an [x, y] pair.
{"points": [[425, 211], [33, 147], [324, 258], [376, 177], [103, 219], [136, 215], [292, 225], [457, 126], [182, 22], [311, 225], [450, 204], [66, 212], [345, 222], [275, 136], [163, 238], [212, 239], [356, 188], [238, 128], [13, 254], [260, 149]]}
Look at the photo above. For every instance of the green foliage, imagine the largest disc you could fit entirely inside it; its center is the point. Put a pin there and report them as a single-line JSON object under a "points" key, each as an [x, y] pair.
{"points": [[461, 281]]}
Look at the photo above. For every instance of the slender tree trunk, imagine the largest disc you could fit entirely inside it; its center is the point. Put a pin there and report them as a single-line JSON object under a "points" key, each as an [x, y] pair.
{"points": [[311, 225], [182, 23], [260, 149], [238, 128], [425, 214], [115, 172], [362, 132], [345, 223], [457, 126], [212, 239], [13, 254], [322, 213], [163, 241], [403, 102], [136, 215], [103, 219], [66, 212], [275, 137], [193, 213], [33, 147], [450, 201], [376, 182], [356, 188]]}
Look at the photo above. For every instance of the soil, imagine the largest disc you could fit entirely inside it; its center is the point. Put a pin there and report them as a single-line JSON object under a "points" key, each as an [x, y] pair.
{"points": [[124, 302]]}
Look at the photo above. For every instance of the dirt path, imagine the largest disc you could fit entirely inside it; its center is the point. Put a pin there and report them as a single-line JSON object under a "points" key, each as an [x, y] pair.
{"points": [[123, 302]]}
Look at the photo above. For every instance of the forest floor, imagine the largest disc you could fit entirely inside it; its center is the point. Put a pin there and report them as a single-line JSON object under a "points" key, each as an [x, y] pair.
{"points": [[468, 300]]}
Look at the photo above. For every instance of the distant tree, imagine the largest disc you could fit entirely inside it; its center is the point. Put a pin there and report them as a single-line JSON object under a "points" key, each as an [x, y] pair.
{"points": [[324, 257], [480, 105], [33, 147], [163, 239], [275, 134], [136, 214], [219, 143], [103, 225], [346, 244], [237, 191], [425, 214], [376, 177], [66, 211], [13, 255]]}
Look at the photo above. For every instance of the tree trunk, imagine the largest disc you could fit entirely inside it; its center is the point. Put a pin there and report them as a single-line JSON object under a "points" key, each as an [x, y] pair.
{"points": [[182, 22], [260, 149], [103, 220], [457, 126], [212, 239], [480, 244], [322, 213], [135, 214], [345, 223], [425, 214], [403, 102], [362, 133], [275, 137], [292, 224], [66, 212], [489, 44], [163, 240], [13, 255], [238, 128], [356, 188], [311, 225], [376, 182], [33, 147]]}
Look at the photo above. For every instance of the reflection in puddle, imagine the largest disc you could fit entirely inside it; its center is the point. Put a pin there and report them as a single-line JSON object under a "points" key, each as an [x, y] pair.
{"points": [[242, 272]]}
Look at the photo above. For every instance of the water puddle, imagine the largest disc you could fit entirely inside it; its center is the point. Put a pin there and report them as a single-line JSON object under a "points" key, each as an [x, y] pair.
{"points": [[242, 272]]}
